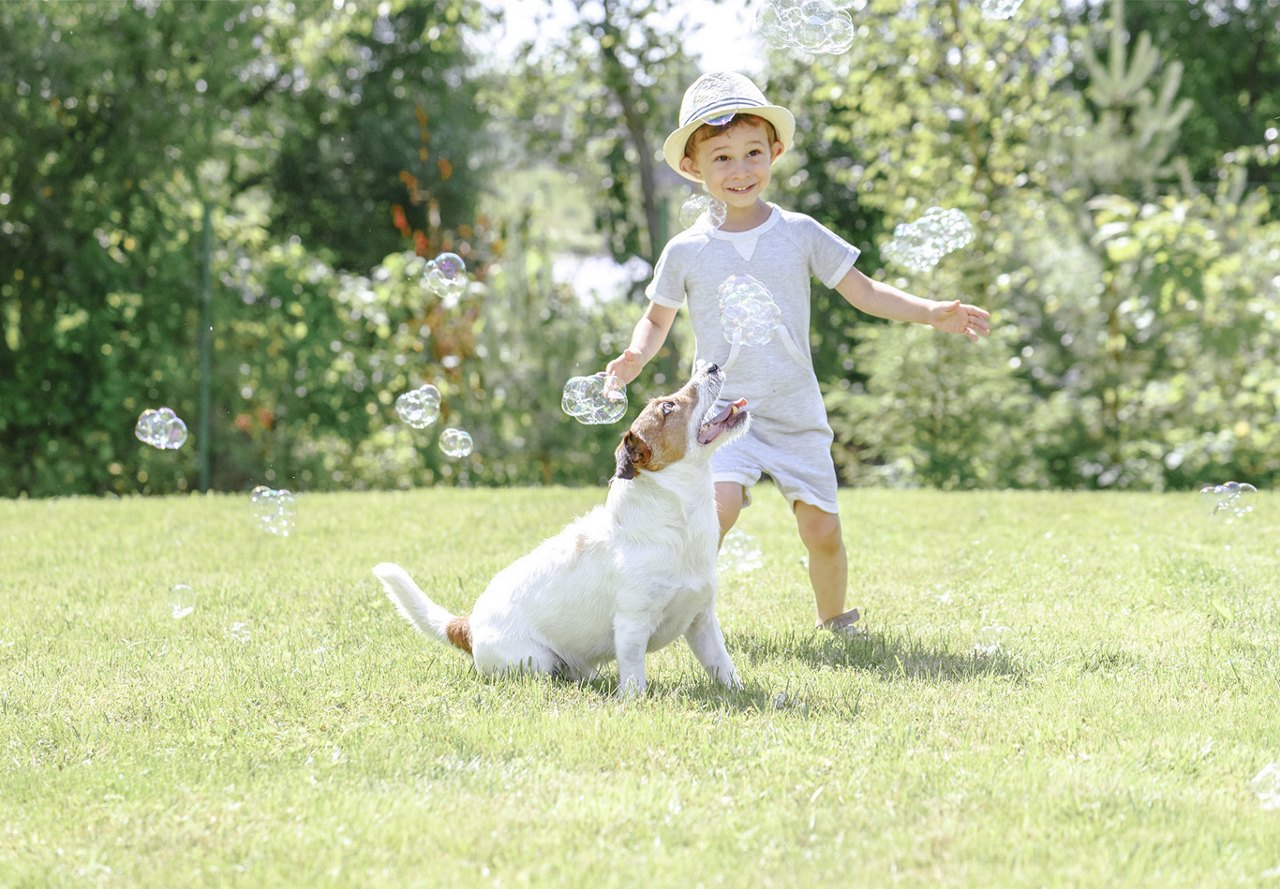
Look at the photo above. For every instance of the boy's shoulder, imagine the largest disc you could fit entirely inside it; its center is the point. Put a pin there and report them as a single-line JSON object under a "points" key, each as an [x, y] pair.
{"points": [[795, 219]]}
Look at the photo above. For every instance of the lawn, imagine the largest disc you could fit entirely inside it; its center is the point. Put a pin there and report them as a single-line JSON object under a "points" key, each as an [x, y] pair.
{"points": [[1055, 690]]}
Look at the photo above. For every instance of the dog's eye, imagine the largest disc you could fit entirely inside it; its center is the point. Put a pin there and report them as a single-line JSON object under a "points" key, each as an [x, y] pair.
{"points": [[667, 407]]}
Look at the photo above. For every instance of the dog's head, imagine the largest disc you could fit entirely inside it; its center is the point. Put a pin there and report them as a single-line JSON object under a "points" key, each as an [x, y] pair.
{"points": [[673, 427]]}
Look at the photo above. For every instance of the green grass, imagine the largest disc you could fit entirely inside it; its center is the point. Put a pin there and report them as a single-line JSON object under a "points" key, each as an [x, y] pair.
{"points": [[1109, 741]]}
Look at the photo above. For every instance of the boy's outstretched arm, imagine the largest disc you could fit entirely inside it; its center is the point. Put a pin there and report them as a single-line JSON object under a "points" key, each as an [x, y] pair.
{"points": [[650, 333], [886, 301]]}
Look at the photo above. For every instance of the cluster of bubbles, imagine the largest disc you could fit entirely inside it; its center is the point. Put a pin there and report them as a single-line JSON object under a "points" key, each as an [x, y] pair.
{"points": [[739, 553], [699, 206], [747, 311], [808, 26], [919, 245], [456, 442], [1234, 500], [161, 428], [273, 511], [419, 407], [445, 276], [1266, 786], [594, 400], [999, 9]]}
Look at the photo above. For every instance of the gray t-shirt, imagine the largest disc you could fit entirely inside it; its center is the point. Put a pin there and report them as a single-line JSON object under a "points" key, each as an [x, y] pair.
{"points": [[789, 438], [783, 253]]}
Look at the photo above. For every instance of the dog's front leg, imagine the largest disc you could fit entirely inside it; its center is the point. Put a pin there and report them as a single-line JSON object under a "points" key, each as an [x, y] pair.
{"points": [[707, 641], [631, 642]]}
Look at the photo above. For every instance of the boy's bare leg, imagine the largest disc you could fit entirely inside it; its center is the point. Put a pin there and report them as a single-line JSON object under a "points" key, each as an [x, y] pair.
{"points": [[828, 561], [729, 498]]}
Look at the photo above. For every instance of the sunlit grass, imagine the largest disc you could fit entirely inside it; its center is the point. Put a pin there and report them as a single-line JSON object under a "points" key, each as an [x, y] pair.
{"points": [[1055, 689]]}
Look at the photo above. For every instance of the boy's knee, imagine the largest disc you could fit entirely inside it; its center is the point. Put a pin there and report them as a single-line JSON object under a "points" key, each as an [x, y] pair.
{"points": [[729, 499], [820, 530]]}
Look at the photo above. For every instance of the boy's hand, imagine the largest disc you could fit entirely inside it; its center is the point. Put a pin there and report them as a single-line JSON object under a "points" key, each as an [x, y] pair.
{"points": [[958, 317], [626, 366]]}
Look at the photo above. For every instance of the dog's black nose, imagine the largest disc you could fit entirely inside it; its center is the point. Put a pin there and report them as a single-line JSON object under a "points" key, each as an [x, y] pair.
{"points": [[713, 368]]}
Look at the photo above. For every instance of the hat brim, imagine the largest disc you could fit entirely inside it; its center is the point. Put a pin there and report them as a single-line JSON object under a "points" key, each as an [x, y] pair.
{"points": [[784, 124]]}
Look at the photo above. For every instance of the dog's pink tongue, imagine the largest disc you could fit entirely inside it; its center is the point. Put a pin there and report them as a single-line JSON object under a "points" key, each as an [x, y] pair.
{"points": [[713, 427]]}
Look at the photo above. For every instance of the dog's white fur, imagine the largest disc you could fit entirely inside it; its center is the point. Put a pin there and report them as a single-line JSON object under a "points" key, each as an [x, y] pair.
{"points": [[629, 577]]}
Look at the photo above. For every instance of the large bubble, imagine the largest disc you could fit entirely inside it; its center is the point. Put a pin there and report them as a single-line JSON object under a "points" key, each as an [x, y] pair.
{"points": [[595, 400], [161, 428], [807, 26], [919, 245], [747, 311]]}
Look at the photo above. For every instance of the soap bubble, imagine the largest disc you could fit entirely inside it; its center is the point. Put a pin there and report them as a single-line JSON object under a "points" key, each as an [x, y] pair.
{"points": [[419, 407], [739, 553], [999, 9], [1266, 785], [182, 601], [446, 275], [455, 442], [161, 429], [273, 511], [988, 644], [699, 207], [1233, 500], [238, 632], [807, 26], [595, 400], [919, 245], [747, 311]]}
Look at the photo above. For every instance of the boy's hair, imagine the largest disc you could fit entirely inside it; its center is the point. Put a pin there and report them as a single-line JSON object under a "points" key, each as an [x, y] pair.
{"points": [[708, 131]]}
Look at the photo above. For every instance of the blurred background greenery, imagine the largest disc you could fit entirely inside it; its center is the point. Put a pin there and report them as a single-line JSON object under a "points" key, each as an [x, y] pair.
{"points": [[234, 192]]}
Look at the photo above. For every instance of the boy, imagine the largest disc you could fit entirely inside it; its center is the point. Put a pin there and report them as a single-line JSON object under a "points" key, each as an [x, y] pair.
{"points": [[728, 138]]}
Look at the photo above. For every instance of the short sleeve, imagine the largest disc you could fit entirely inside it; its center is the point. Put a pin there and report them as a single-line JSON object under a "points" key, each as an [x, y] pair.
{"points": [[667, 287], [830, 256]]}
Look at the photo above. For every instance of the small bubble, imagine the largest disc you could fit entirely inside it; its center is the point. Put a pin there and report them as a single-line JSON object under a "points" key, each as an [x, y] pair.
{"points": [[701, 208], [456, 442], [273, 511], [419, 407], [1231, 500], [238, 632], [161, 428], [806, 26], [999, 9], [739, 553], [182, 601]]}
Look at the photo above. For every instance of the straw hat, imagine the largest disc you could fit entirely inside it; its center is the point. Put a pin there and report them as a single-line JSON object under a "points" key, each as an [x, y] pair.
{"points": [[714, 99]]}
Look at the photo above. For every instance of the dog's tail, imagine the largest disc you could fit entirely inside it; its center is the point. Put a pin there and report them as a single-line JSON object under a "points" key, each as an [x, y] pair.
{"points": [[428, 617]]}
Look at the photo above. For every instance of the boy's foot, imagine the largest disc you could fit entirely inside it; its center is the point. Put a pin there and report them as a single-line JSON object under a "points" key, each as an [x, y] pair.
{"points": [[845, 624]]}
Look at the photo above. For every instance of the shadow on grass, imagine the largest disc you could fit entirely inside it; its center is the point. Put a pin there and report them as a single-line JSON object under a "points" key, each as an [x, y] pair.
{"points": [[890, 656]]}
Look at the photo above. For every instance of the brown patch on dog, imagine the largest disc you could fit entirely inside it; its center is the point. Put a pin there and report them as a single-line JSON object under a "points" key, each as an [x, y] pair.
{"points": [[659, 436], [459, 633]]}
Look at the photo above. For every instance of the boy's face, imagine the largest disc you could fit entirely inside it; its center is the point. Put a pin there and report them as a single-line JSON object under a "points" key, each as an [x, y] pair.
{"points": [[735, 164]]}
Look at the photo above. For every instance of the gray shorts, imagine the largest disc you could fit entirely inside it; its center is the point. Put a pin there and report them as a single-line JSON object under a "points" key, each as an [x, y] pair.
{"points": [[798, 460]]}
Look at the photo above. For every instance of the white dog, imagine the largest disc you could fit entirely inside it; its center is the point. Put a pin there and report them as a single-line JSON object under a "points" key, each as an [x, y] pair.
{"points": [[627, 578]]}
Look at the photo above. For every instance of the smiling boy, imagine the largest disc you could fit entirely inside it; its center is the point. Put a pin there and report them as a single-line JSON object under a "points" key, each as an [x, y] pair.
{"points": [[728, 138]]}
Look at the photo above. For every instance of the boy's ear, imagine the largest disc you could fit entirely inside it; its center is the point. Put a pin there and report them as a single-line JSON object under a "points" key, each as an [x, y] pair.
{"points": [[687, 164], [777, 149]]}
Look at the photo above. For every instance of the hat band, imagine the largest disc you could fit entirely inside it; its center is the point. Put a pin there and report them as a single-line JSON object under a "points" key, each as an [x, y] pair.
{"points": [[720, 108]]}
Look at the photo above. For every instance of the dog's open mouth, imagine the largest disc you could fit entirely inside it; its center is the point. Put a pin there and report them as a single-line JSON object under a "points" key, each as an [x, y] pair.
{"points": [[727, 419]]}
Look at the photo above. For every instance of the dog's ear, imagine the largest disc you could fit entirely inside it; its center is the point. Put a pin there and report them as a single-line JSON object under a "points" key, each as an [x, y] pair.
{"points": [[631, 455]]}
